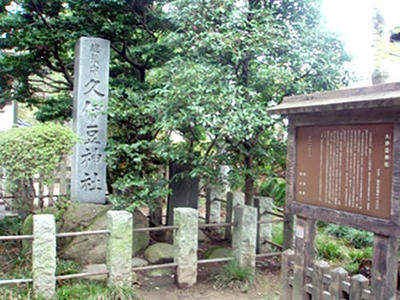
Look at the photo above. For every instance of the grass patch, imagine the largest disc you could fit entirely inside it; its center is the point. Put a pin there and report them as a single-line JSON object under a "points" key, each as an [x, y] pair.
{"points": [[17, 293], [343, 246], [233, 275], [82, 289], [331, 249], [10, 226], [65, 267], [277, 233], [352, 267], [271, 298], [88, 290], [357, 238]]}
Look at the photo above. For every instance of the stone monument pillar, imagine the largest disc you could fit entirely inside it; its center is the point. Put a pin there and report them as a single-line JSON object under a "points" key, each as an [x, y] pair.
{"points": [[185, 191], [88, 182]]}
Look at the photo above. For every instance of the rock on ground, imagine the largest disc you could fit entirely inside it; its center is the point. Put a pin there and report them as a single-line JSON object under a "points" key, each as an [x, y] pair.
{"points": [[139, 262], [95, 268], [160, 272], [202, 236], [218, 252], [92, 249], [159, 253]]}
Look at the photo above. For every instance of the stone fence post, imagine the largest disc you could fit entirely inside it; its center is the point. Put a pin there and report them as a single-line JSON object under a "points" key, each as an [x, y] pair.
{"points": [[185, 245], [44, 256], [233, 199], [286, 289], [215, 204], [264, 231], [119, 248], [244, 238]]}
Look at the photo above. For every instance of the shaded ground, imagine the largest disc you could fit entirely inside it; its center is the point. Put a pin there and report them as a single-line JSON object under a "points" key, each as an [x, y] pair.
{"points": [[266, 286]]}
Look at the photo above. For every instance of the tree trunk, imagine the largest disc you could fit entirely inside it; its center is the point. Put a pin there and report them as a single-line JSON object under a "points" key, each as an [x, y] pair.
{"points": [[249, 182], [156, 213], [23, 197]]}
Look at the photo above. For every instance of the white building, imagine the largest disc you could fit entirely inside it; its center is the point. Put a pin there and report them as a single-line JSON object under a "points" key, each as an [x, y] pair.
{"points": [[7, 117]]}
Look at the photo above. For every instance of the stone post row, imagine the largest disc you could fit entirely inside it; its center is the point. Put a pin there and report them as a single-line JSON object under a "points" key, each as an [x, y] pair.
{"points": [[119, 252]]}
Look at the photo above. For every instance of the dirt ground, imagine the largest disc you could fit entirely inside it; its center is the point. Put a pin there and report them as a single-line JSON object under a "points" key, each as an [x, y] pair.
{"points": [[266, 286]]}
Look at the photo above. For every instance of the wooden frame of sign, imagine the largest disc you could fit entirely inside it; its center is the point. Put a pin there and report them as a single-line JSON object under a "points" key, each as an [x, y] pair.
{"points": [[344, 167]]}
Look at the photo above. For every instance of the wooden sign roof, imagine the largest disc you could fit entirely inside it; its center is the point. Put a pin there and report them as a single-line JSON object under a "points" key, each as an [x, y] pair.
{"points": [[377, 96]]}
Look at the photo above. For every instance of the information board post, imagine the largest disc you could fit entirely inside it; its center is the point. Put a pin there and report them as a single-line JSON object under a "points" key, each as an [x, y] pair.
{"points": [[384, 266], [304, 254]]}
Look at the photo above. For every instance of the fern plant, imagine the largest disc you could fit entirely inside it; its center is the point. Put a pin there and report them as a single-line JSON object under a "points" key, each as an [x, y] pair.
{"points": [[274, 187]]}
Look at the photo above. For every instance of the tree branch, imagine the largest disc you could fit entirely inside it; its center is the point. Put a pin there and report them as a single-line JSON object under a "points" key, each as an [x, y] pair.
{"points": [[48, 84], [145, 27], [62, 66], [136, 65], [41, 16], [210, 147], [49, 64]]}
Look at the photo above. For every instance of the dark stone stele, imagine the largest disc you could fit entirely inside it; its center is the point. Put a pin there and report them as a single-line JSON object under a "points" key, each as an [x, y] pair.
{"points": [[185, 191]]}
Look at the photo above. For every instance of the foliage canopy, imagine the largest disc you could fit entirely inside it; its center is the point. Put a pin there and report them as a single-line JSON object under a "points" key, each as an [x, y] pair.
{"points": [[205, 70], [234, 60]]}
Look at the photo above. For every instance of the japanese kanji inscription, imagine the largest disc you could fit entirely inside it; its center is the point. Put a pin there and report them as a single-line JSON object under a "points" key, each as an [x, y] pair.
{"points": [[346, 167], [90, 120]]}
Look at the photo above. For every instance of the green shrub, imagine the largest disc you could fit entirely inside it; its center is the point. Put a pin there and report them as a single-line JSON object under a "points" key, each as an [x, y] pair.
{"points": [[357, 255], [277, 233], [330, 249], [361, 239], [31, 151], [337, 230], [274, 187], [357, 238], [10, 226], [352, 267], [234, 275]]}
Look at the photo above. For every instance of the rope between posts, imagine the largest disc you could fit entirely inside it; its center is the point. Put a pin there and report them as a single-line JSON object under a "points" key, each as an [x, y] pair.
{"points": [[273, 244], [15, 281], [214, 260], [16, 237], [272, 254], [269, 222], [101, 232], [214, 199], [70, 234], [151, 267], [171, 227], [272, 213], [80, 275], [216, 225]]}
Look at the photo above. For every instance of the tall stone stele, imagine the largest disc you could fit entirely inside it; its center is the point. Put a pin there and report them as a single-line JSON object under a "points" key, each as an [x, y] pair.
{"points": [[92, 57]]}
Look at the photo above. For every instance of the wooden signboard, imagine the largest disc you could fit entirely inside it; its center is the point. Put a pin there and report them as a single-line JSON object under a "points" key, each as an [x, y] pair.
{"points": [[346, 167]]}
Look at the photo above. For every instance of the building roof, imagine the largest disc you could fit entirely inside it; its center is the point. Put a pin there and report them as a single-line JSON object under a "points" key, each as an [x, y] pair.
{"points": [[383, 95]]}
